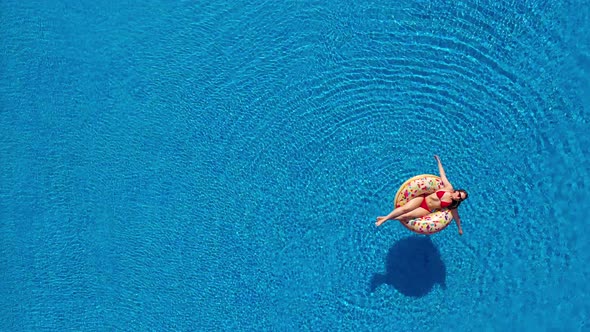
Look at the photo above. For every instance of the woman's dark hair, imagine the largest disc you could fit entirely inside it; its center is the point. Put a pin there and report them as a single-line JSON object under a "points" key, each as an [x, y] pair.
{"points": [[455, 204]]}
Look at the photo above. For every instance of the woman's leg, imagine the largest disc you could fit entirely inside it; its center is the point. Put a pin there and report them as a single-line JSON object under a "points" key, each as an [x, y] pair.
{"points": [[413, 204], [416, 213]]}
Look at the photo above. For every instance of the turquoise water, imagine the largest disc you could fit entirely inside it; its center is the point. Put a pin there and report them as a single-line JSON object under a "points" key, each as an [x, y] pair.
{"points": [[196, 166]]}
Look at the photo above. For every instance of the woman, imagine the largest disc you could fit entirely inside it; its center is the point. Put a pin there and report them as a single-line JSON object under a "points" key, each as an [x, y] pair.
{"points": [[447, 197]]}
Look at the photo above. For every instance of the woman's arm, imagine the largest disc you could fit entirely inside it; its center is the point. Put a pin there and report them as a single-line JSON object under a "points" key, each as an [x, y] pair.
{"points": [[443, 176], [455, 214]]}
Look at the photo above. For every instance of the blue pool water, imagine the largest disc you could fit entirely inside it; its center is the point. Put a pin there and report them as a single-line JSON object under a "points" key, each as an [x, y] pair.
{"points": [[203, 166]]}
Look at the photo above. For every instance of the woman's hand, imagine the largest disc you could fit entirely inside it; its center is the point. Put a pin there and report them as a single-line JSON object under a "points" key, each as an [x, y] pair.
{"points": [[437, 158], [460, 232]]}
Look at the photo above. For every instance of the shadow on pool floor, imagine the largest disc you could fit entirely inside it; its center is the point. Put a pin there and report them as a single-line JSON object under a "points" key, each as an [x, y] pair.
{"points": [[413, 267]]}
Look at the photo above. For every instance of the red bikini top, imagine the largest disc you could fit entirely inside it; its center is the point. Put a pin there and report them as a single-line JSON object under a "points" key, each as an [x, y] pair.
{"points": [[440, 194]]}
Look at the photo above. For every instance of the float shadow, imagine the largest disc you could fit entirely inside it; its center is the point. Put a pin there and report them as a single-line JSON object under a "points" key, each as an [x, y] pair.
{"points": [[413, 267]]}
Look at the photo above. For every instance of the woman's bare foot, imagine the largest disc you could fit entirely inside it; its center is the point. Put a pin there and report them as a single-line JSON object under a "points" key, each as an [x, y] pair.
{"points": [[380, 220]]}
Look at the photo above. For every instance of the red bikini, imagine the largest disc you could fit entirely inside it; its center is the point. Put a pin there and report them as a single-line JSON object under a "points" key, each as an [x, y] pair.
{"points": [[439, 194]]}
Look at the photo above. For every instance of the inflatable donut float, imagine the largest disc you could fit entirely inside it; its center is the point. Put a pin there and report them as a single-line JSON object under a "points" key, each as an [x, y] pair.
{"points": [[420, 185]]}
